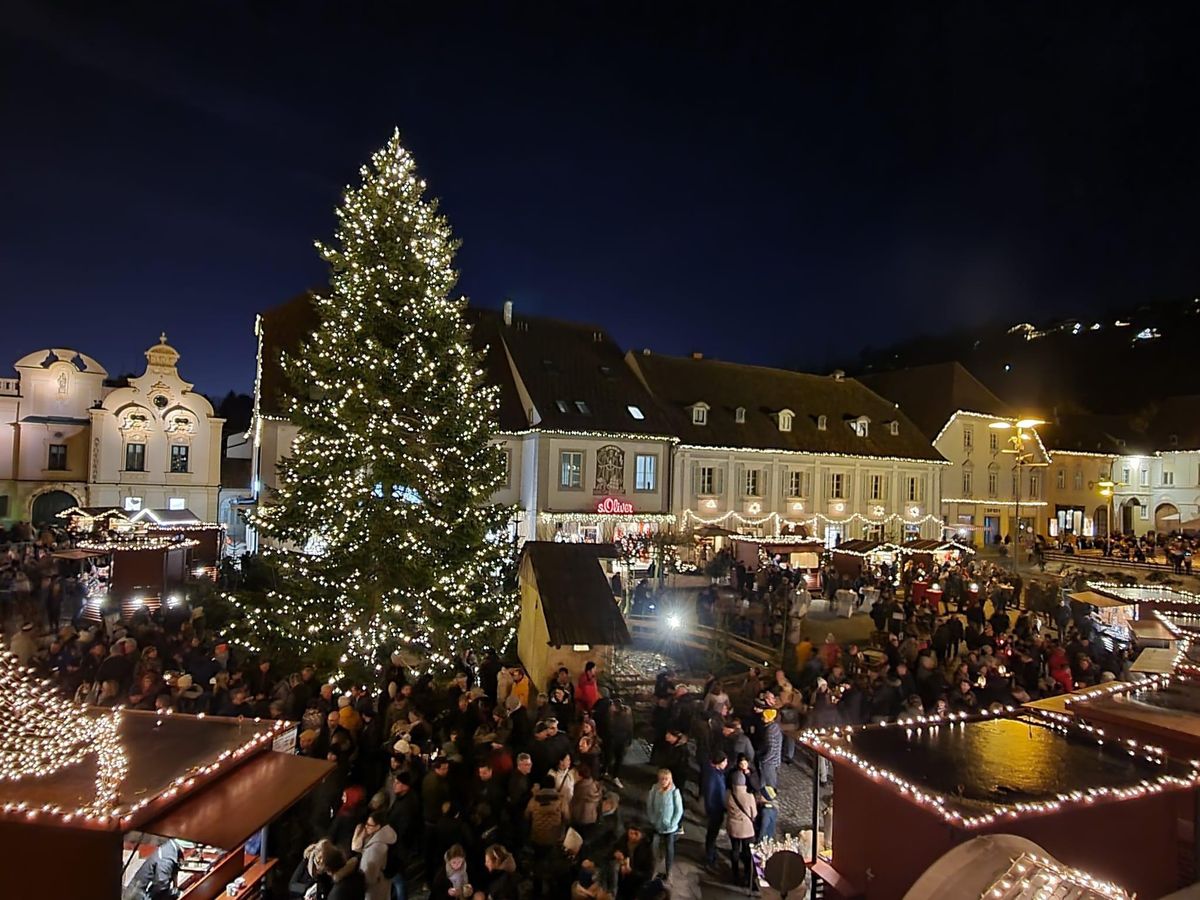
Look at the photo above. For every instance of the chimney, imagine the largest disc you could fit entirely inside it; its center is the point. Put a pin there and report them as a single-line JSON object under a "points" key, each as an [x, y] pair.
{"points": [[838, 375], [696, 354], [507, 312]]}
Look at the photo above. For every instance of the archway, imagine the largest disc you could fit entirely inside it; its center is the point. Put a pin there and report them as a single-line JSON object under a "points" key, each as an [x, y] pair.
{"points": [[1100, 520], [1166, 518], [47, 506]]}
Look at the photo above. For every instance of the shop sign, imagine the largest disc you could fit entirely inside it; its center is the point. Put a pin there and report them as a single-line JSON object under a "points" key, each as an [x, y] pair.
{"points": [[613, 506]]}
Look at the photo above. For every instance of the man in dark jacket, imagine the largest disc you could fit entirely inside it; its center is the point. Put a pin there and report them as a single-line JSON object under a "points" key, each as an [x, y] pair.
{"points": [[155, 880], [736, 741], [771, 757], [712, 790]]}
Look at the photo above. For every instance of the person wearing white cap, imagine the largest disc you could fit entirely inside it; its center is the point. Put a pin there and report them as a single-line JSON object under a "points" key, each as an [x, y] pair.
{"points": [[23, 644]]}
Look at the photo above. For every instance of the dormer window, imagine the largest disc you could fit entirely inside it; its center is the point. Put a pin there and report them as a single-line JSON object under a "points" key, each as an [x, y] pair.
{"points": [[583, 408], [785, 419], [700, 413], [893, 428], [636, 412], [860, 426], [739, 415], [822, 423], [562, 406]]}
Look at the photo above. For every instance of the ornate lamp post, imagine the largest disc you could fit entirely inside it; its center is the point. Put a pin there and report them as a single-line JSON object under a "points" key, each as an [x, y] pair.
{"points": [[1023, 459]]}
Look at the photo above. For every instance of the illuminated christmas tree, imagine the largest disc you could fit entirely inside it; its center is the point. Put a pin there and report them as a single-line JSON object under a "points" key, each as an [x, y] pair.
{"points": [[382, 529]]}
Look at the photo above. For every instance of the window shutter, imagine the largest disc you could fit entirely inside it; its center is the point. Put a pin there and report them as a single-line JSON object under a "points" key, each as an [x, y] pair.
{"points": [[696, 479]]}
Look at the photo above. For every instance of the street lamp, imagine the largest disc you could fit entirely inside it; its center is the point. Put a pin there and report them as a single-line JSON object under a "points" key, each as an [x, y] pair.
{"points": [[1107, 487], [1023, 458]]}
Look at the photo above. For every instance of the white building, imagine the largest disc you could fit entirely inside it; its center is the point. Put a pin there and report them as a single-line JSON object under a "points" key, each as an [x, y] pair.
{"points": [[587, 450], [983, 487], [75, 440], [762, 449]]}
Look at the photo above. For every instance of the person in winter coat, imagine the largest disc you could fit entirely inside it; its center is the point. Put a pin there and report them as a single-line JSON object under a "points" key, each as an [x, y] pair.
{"points": [[155, 879], [633, 862], [664, 811], [348, 882], [501, 873], [310, 870], [372, 841], [587, 691], [712, 790], [585, 802], [452, 880], [548, 815], [771, 757], [740, 812]]}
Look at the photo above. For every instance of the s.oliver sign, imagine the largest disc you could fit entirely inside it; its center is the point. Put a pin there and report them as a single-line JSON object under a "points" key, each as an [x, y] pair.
{"points": [[613, 506]]}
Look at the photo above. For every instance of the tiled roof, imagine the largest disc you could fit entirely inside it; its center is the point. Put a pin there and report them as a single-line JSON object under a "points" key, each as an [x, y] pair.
{"points": [[678, 383], [576, 599], [1087, 433], [286, 326], [930, 395], [576, 377]]}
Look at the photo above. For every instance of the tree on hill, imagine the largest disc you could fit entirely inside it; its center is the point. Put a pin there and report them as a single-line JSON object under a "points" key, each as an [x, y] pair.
{"points": [[381, 527]]}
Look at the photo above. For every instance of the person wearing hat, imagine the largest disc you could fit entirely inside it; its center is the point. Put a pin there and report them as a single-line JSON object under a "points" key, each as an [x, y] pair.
{"points": [[632, 862], [770, 756], [23, 644]]}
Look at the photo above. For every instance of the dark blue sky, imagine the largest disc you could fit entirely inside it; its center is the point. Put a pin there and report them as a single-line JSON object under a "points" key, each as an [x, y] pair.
{"points": [[777, 183]]}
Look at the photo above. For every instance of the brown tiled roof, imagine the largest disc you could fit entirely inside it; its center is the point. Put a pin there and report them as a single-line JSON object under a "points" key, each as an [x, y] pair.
{"points": [[286, 326], [563, 364], [679, 382], [930, 395], [576, 599]]}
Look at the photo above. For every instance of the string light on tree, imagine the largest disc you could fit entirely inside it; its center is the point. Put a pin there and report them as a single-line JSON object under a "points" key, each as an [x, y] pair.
{"points": [[389, 481]]}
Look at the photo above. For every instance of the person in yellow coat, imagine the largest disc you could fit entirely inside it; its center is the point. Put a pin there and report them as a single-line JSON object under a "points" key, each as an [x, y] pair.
{"points": [[804, 652]]}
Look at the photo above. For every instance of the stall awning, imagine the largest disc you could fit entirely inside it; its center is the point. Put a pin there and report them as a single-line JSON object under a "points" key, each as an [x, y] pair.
{"points": [[1155, 661], [77, 553], [1098, 600], [1151, 630], [230, 810]]}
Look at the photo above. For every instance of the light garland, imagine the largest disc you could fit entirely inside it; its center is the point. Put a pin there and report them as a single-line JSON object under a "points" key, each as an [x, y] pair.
{"points": [[601, 435], [118, 545], [824, 454], [1177, 596], [593, 516], [990, 502], [835, 743], [1032, 877], [781, 521]]}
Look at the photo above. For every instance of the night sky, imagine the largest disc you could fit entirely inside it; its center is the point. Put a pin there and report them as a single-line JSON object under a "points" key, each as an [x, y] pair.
{"points": [[775, 183]]}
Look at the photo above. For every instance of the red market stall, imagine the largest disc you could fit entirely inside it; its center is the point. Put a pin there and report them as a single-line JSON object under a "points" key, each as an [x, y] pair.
{"points": [[940, 783]]}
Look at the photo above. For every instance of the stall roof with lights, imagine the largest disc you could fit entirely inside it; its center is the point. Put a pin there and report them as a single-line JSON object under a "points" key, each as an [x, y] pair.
{"points": [[1164, 710], [1156, 661], [973, 773], [1102, 601], [167, 517]]}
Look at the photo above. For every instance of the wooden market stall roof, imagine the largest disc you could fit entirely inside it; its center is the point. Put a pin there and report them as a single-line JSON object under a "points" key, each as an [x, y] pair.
{"points": [[166, 757], [1166, 710], [1096, 599], [860, 547], [985, 769], [576, 598], [1156, 661], [229, 810], [1152, 630]]}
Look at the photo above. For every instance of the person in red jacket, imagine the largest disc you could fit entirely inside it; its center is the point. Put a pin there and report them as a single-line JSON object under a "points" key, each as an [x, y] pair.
{"points": [[587, 692]]}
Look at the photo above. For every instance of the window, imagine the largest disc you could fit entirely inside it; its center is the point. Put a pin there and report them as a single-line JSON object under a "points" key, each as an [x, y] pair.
{"points": [[571, 464], [133, 504], [1078, 479], [915, 488], [967, 486], [177, 503], [968, 437], [135, 458], [645, 472], [583, 408], [179, 457], [993, 441], [1168, 477], [1145, 477], [58, 458], [837, 486], [1060, 479], [822, 423], [876, 487], [562, 406], [861, 426], [993, 482], [708, 481], [1144, 512], [1125, 474], [739, 415], [893, 428], [797, 486], [1035, 485], [753, 482], [785, 419], [700, 415], [636, 412]]}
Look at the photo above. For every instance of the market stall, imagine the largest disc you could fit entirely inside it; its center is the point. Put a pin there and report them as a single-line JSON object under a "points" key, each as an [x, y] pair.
{"points": [[852, 557], [929, 555], [798, 553], [1112, 615], [83, 823], [204, 554]]}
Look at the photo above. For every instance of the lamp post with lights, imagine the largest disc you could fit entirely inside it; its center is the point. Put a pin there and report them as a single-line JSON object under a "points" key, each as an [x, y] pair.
{"points": [[1107, 487], [1023, 459]]}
